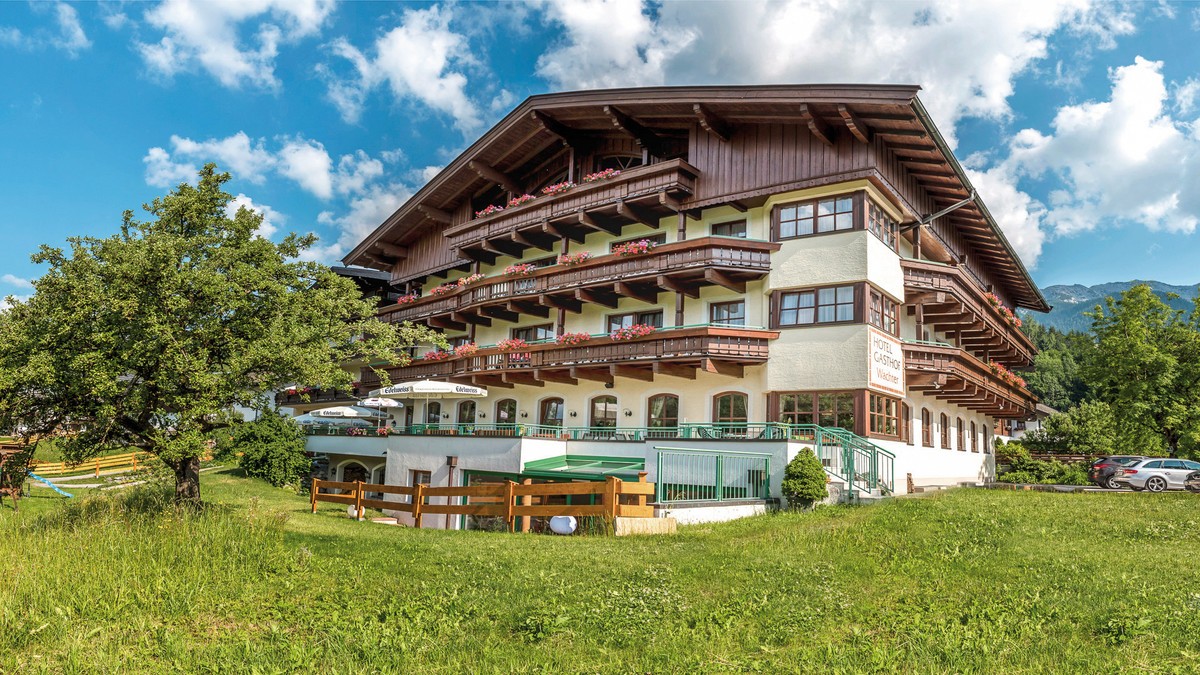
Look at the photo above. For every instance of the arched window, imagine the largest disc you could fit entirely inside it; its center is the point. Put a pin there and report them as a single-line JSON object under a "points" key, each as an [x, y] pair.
{"points": [[604, 411], [960, 437], [355, 471], [433, 412], [945, 431], [466, 415], [550, 412], [926, 428], [974, 437], [506, 411], [662, 412], [906, 423], [730, 408]]}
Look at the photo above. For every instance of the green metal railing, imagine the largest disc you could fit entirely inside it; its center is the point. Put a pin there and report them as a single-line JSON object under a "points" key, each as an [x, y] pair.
{"points": [[695, 475]]}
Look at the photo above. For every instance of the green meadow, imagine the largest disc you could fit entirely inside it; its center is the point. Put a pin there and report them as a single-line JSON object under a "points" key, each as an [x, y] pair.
{"points": [[965, 581]]}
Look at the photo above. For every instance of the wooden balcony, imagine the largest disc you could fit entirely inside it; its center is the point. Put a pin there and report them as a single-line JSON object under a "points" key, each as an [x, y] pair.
{"points": [[683, 266], [954, 375], [946, 299], [319, 398], [673, 351], [644, 194]]}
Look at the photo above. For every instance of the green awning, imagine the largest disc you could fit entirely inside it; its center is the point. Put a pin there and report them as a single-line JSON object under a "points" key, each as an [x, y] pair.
{"points": [[585, 467]]}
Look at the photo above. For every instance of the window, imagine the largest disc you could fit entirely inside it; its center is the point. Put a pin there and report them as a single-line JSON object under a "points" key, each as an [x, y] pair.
{"points": [[604, 411], [1147, 465], [662, 411], [818, 216], [834, 304], [881, 224], [420, 478], [656, 239], [727, 313], [944, 428], [729, 408], [736, 228], [974, 438], [926, 428], [961, 446], [466, 413], [458, 341], [906, 433], [534, 333], [884, 415], [506, 411], [550, 412], [884, 313], [654, 318], [827, 409], [618, 162], [433, 412]]}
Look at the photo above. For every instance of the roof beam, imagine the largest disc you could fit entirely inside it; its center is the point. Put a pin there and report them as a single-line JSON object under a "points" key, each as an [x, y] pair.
{"points": [[435, 214], [710, 122], [486, 257], [502, 313], [563, 231], [467, 317], [446, 324], [503, 247], [690, 290], [632, 372], [594, 374], [721, 367], [817, 126], [498, 177], [913, 147], [854, 123], [722, 279], [530, 239], [674, 370], [588, 220], [528, 379], [569, 304], [393, 250], [644, 137], [531, 308], [597, 297], [563, 377], [636, 292], [568, 136]]}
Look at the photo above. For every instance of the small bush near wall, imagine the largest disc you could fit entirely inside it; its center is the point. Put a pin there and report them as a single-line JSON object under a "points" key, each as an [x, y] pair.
{"points": [[272, 449], [1022, 469], [804, 480]]}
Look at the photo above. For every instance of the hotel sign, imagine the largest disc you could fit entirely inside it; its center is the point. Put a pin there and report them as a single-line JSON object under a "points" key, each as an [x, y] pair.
{"points": [[885, 359]]}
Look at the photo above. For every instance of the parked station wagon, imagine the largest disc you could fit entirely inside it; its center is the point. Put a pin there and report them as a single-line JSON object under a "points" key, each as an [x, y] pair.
{"points": [[1158, 474]]}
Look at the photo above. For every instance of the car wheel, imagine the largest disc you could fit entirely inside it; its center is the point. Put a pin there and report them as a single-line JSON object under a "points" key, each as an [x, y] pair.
{"points": [[1112, 484], [1156, 484]]}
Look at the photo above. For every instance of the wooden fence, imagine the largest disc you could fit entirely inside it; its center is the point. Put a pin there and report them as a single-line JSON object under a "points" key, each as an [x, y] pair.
{"points": [[129, 459], [507, 500]]}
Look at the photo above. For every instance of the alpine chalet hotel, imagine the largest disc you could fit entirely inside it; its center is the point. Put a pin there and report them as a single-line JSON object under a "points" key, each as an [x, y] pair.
{"points": [[698, 282]]}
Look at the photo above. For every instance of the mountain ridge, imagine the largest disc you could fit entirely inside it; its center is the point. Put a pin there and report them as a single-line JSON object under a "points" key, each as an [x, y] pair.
{"points": [[1070, 301]]}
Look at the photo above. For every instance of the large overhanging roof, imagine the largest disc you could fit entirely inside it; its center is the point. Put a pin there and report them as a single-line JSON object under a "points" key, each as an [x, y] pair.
{"points": [[891, 112]]}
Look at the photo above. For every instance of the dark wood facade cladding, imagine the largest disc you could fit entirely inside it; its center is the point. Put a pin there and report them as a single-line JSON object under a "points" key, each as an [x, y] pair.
{"points": [[954, 375], [746, 143]]}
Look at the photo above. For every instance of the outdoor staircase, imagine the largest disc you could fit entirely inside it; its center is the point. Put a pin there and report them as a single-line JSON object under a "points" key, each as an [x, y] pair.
{"points": [[864, 471]]}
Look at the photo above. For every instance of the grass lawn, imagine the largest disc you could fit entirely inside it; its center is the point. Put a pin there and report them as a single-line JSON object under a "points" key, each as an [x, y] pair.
{"points": [[968, 581]]}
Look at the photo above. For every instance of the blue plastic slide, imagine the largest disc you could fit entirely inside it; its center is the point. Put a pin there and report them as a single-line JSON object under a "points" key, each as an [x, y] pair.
{"points": [[50, 485]]}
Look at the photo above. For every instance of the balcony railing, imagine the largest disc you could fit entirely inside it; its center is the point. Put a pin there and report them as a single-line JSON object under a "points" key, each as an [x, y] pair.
{"points": [[921, 276], [672, 176], [738, 344], [739, 257], [953, 374], [318, 397]]}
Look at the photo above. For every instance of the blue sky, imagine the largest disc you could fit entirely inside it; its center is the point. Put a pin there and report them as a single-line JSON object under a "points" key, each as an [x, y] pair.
{"points": [[1078, 120]]}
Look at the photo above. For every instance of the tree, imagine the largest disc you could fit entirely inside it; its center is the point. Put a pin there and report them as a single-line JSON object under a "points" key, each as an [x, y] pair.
{"points": [[1087, 429], [1057, 375], [272, 448], [804, 480], [1147, 365], [148, 338]]}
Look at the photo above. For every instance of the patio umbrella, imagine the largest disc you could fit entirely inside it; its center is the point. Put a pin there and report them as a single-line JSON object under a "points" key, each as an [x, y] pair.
{"points": [[379, 404], [428, 390], [342, 411]]}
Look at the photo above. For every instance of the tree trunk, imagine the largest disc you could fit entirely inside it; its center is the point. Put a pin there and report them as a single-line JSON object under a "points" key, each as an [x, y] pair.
{"points": [[187, 480]]}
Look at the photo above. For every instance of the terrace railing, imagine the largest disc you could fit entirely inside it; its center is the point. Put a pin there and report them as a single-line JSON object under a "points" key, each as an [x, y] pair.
{"points": [[694, 475]]}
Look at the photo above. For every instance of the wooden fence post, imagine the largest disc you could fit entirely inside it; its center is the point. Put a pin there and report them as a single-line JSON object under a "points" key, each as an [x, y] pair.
{"points": [[358, 492], [612, 488], [418, 500], [527, 500], [641, 499], [97, 467], [135, 461], [509, 489], [316, 483]]}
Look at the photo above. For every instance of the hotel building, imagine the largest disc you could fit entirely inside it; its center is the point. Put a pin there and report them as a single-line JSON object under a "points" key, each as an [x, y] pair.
{"points": [[740, 270]]}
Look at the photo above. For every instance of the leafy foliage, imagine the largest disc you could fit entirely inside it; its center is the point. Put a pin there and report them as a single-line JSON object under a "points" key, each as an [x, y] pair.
{"points": [[1057, 375], [1147, 365], [804, 480], [1087, 429], [272, 448], [1024, 469], [148, 338]]}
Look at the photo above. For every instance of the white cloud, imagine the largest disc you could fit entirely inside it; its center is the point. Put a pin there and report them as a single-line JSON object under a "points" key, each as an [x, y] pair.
{"points": [[68, 35], [1185, 95], [420, 60], [14, 280], [965, 54], [1121, 160], [1018, 215], [247, 160], [162, 171], [271, 219], [307, 163], [210, 34], [366, 212]]}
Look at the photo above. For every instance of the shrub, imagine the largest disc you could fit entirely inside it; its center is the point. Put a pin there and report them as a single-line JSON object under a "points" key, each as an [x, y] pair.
{"points": [[272, 449], [804, 480]]}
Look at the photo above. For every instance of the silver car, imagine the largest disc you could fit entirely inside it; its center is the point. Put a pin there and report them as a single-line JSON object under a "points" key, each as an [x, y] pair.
{"points": [[1157, 474]]}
